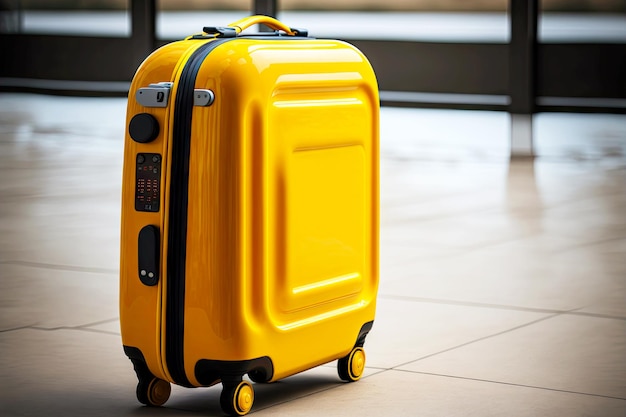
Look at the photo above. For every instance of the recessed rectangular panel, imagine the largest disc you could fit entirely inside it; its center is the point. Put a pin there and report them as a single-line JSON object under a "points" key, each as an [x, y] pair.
{"points": [[325, 226]]}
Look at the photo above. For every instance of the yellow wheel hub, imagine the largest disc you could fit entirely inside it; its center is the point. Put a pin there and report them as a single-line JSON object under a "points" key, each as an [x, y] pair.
{"points": [[245, 398], [159, 391], [357, 363]]}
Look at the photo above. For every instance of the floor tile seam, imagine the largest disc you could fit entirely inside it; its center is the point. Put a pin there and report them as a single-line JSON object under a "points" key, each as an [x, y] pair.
{"points": [[75, 328], [512, 384], [97, 323], [497, 306], [37, 326], [80, 326], [53, 329], [594, 315], [13, 329], [480, 339], [60, 267]]}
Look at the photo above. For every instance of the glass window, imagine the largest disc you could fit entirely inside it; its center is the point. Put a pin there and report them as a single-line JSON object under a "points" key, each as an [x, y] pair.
{"points": [[409, 20], [589, 21], [10, 16], [86, 17], [177, 19]]}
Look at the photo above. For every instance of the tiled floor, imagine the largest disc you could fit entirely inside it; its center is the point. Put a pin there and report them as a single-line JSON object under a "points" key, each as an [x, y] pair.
{"points": [[502, 292]]}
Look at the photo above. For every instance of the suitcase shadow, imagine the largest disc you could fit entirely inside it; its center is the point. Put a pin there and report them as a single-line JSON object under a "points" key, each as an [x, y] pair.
{"points": [[292, 388], [206, 401]]}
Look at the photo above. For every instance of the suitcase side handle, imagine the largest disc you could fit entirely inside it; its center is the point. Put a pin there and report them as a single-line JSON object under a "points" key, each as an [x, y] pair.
{"points": [[240, 25]]}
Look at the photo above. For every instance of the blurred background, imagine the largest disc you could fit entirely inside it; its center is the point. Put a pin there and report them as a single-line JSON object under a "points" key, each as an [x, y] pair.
{"points": [[361, 5], [449, 53]]}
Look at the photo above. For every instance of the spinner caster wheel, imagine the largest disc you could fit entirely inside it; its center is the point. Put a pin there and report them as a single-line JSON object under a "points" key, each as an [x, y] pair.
{"points": [[350, 368], [153, 392], [237, 399]]}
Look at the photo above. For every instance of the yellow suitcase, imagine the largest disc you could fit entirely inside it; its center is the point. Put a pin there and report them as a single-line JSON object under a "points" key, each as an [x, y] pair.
{"points": [[249, 236]]}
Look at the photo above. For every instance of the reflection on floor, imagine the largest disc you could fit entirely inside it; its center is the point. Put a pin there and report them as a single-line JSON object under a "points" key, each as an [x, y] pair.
{"points": [[503, 283]]}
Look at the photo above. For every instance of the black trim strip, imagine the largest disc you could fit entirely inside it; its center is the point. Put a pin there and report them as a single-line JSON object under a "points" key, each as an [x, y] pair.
{"points": [[139, 363], [177, 237], [208, 371]]}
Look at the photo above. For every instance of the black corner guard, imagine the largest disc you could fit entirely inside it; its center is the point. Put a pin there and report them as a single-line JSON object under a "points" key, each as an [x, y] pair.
{"points": [[139, 363], [365, 329], [208, 371]]}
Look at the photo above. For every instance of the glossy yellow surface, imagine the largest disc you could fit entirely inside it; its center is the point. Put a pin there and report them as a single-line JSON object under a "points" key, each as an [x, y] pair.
{"points": [[282, 244], [140, 305]]}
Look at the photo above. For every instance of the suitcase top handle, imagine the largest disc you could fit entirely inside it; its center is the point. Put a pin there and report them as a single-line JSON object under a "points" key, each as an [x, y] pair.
{"points": [[235, 28]]}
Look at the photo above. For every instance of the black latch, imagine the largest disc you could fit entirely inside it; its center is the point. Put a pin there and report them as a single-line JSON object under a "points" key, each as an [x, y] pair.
{"points": [[220, 31], [300, 32]]}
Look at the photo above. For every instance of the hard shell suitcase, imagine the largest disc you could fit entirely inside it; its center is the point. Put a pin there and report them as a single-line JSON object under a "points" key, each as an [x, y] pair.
{"points": [[249, 236]]}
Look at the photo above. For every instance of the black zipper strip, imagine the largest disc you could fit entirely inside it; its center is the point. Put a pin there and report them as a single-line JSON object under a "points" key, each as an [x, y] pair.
{"points": [[177, 237]]}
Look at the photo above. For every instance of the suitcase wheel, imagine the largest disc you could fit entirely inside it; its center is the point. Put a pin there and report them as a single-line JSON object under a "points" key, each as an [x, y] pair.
{"points": [[350, 367], [236, 399], [153, 392]]}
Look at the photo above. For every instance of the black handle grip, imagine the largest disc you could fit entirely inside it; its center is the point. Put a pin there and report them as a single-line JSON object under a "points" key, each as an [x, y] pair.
{"points": [[148, 249]]}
